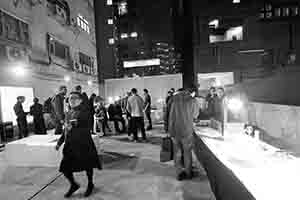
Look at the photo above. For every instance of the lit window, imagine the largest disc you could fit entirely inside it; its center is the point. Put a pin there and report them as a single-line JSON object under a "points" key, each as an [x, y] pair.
{"points": [[233, 33], [111, 41], [134, 34], [124, 35], [214, 23], [110, 21], [109, 2], [122, 8], [83, 23], [286, 12], [277, 12], [236, 1], [294, 11]]}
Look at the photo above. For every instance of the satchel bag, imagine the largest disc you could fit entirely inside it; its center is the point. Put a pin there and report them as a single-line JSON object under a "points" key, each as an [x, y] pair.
{"points": [[166, 152]]}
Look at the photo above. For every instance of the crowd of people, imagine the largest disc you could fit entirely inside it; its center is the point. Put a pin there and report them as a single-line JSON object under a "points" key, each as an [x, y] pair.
{"points": [[77, 117]]}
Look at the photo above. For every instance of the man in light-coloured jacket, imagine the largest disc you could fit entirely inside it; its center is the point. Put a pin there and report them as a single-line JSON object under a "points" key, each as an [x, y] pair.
{"points": [[135, 107], [182, 109]]}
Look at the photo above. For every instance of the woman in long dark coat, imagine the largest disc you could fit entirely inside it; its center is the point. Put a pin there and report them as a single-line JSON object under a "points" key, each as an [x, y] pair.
{"points": [[79, 152]]}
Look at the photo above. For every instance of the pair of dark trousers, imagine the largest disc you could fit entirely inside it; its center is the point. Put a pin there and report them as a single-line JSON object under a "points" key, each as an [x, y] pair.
{"points": [[23, 128], [103, 125], [39, 125], [58, 128], [116, 120], [138, 123], [183, 154], [148, 116]]}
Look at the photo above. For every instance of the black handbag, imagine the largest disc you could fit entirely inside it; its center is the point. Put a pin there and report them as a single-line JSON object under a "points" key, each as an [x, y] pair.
{"points": [[167, 151]]}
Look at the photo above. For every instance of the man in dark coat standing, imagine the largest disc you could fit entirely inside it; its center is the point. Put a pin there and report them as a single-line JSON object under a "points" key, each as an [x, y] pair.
{"points": [[36, 110], [79, 152], [21, 117], [58, 109]]}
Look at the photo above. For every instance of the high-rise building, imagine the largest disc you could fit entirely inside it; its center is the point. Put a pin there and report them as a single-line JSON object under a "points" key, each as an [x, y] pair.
{"points": [[130, 30]]}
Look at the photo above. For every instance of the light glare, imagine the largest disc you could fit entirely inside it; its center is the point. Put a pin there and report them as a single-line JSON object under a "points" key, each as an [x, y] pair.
{"points": [[235, 104]]}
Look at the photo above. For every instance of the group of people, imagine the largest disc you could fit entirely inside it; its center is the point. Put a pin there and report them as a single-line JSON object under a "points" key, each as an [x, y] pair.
{"points": [[36, 110], [74, 117], [74, 121], [133, 107]]}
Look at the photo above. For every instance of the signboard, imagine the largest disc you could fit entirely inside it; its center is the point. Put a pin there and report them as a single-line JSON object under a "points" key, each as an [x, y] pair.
{"points": [[141, 63]]}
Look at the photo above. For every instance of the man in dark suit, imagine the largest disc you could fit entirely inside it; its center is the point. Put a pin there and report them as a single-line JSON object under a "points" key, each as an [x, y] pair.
{"points": [[21, 117], [36, 110], [58, 109]]}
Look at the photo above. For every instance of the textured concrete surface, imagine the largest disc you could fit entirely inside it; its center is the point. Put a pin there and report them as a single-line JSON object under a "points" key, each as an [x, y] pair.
{"points": [[140, 175]]}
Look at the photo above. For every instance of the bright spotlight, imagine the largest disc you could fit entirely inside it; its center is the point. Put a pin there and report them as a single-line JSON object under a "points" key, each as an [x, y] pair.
{"points": [[235, 104], [90, 82], [19, 71], [67, 78]]}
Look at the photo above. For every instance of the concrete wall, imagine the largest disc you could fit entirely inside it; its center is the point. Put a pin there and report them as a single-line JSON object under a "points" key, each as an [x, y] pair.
{"points": [[280, 122], [45, 78]]}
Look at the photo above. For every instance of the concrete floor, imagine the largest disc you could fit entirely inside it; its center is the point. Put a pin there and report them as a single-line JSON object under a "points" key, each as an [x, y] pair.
{"points": [[138, 176]]}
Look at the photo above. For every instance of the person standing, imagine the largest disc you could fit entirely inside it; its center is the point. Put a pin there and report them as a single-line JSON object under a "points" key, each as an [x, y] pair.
{"points": [[210, 99], [147, 108], [101, 115], [79, 152], [21, 117], [135, 107], [182, 109], [58, 109], [115, 114], [36, 110]]}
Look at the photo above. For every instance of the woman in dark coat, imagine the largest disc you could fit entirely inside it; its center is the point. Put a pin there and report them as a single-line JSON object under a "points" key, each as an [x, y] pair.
{"points": [[79, 152]]}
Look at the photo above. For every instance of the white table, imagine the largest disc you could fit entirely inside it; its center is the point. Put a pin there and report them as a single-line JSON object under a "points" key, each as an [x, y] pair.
{"points": [[267, 173]]}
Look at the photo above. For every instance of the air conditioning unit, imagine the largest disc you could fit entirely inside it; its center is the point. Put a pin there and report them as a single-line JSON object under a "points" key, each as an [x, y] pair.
{"points": [[86, 69], [77, 66], [16, 55], [60, 12]]}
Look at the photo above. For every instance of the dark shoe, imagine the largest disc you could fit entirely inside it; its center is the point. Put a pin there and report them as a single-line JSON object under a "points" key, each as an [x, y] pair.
{"points": [[181, 176], [72, 189], [89, 190]]}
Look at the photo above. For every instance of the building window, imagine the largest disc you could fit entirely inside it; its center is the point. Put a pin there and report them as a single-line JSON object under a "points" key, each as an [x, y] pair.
{"points": [[59, 9], [134, 34], [110, 21], [124, 35], [13, 29], [111, 40], [231, 34], [269, 11], [109, 2], [86, 62], [83, 23], [122, 8], [58, 49]]}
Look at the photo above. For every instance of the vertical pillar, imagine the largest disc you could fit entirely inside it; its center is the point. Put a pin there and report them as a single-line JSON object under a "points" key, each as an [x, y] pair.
{"points": [[183, 27]]}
